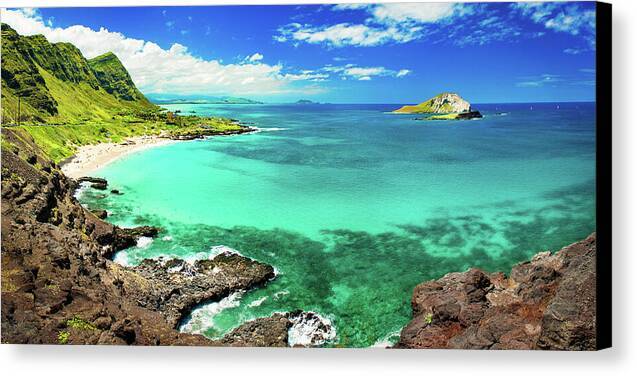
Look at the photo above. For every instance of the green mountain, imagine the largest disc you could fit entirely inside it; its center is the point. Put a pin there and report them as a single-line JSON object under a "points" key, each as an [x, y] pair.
{"points": [[114, 78], [444, 103], [56, 84]]}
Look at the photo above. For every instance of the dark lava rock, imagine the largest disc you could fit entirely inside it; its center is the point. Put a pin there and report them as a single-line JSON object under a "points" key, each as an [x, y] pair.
{"points": [[116, 192], [203, 132], [127, 237], [546, 303], [175, 287], [100, 186], [100, 213], [282, 330], [262, 332], [469, 115], [96, 183], [59, 284]]}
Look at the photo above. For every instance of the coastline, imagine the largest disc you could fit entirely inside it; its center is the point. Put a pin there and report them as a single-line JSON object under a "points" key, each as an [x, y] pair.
{"points": [[90, 158]]}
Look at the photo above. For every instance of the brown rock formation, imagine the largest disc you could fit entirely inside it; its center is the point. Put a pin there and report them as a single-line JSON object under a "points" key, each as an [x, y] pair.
{"points": [[59, 284], [546, 303]]}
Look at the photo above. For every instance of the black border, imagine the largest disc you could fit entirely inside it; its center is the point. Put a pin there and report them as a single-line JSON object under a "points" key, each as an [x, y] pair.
{"points": [[604, 173]]}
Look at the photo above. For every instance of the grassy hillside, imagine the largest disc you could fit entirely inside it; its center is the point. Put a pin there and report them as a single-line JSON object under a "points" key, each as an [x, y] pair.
{"points": [[58, 85], [67, 101], [114, 78]]}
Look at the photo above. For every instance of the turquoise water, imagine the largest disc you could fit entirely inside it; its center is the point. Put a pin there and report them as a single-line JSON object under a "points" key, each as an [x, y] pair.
{"points": [[355, 206]]}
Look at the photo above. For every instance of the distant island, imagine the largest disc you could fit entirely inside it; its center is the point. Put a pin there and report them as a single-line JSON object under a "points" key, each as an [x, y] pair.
{"points": [[201, 100], [445, 106], [305, 101]]}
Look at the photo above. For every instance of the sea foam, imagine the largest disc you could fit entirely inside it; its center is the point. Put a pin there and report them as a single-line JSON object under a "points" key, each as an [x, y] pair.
{"points": [[310, 329], [202, 318]]}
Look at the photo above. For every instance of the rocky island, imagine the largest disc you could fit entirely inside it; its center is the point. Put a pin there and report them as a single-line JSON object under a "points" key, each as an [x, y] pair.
{"points": [[445, 106]]}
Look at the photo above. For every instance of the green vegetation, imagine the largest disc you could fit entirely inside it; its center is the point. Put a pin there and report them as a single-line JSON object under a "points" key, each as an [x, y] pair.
{"points": [[63, 337], [114, 78], [57, 85], [61, 141], [443, 117], [67, 101], [444, 103], [77, 323], [429, 318]]}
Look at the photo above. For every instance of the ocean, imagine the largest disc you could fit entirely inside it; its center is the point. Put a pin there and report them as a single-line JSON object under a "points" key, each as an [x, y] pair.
{"points": [[355, 206]]}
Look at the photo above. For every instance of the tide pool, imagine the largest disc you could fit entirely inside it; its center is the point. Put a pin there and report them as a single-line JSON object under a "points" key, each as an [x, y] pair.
{"points": [[354, 206]]}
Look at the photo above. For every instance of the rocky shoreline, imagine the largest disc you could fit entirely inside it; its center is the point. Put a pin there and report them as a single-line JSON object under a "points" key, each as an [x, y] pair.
{"points": [[548, 303], [60, 286]]}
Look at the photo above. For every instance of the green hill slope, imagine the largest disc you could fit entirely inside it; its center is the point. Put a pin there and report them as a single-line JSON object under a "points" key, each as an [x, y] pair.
{"points": [[444, 103], [56, 84], [67, 101]]}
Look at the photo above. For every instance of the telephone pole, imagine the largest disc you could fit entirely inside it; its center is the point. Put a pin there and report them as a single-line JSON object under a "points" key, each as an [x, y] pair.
{"points": [[18, 109]]}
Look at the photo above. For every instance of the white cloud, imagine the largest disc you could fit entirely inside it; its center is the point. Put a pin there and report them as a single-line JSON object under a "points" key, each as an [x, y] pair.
{"points": [[346, 34], [403, 72], [574, 51], [352, 71], [414, 12], [173, 70], [539, 81], [388, 23], [563, 17], [256, 57]]}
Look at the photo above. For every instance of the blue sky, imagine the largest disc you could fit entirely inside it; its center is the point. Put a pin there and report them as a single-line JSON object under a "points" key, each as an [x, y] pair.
{"points": [[387, 53]]}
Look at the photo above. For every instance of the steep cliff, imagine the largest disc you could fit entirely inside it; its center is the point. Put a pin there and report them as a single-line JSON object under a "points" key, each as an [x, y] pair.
{"points": [[546, 303], [114, 78], [55, 83]]}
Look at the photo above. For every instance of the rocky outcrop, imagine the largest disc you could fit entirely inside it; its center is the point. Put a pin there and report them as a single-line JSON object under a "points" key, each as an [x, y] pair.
{"points": [[444, 103], [546, 303], [455, 116], [174, 287], [203, 132], [295, 329], [59, 284]]}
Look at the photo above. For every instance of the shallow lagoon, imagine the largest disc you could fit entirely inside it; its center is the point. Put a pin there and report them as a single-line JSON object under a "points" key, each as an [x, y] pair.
{"points": [[354, 206]]}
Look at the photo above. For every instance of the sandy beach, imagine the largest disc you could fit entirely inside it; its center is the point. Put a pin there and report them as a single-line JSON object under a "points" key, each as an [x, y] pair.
{"points": [[92, 157]]}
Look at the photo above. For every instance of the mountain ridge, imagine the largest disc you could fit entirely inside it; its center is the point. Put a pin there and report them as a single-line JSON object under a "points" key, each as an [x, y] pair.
{"points": [[56, 83]]}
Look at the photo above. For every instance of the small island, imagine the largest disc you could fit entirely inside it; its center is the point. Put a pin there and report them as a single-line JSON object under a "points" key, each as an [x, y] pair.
{"points": [[305, 101], [445, 106]]}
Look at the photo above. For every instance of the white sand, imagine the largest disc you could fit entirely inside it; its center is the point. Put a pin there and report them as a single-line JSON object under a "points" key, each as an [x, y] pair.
{"points": [[92, 157]]}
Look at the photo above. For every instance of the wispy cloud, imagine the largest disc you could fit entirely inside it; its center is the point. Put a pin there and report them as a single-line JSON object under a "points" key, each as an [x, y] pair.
{"points": [[345, 34], [388, 23], [571, 18], [539, 81], [458, 23], [353, 71], [583, 76]]}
